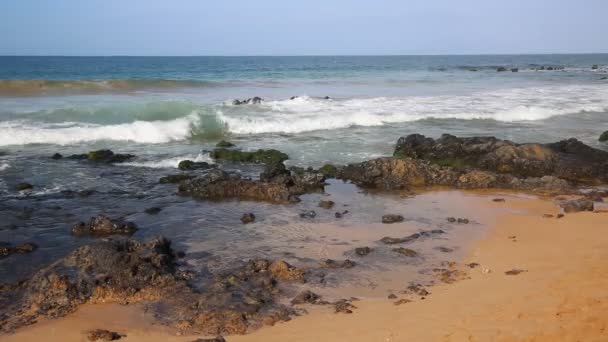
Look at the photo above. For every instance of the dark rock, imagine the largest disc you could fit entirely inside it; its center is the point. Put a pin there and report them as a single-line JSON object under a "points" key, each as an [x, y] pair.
{"points": [[153, 210], [341, 214], [550, 68], [581, 204], [56, 156], [406, 251], [326, 98], [173, 179], [329, 263], [515, 272], [308, 214], [501, 69], [225, 144], [253, 100], [423, 234], [362, 251], [103, 335], [604, 136], [594, 67], [402, 301], [514, 69], [248, 218], [306, 297], [390, 218], [498, 200], [451, 219], [560, 215], [216, 339], [276, 171], [344, 306], [444, 249], [107, 156], [293, 97], [188, 165], [102, 225], [24, 186], [326, 204], [392, 296], [27, 247], [259, 156], [463, 220]]}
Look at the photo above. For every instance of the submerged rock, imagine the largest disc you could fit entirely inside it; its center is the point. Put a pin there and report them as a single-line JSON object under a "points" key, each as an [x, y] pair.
{"points": [[604, 136], [56, 156], [102, 225], [308, 214], [7, 249], [259, 156], [253, 100], [107, 156], [392, 218], [248, 218], [24, 186], [406, 251], [224, 143], [153, 210], [501, 69]]}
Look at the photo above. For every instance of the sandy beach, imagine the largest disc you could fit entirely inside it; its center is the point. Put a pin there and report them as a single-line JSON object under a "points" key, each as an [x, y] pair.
{"points": [[560, 293]]}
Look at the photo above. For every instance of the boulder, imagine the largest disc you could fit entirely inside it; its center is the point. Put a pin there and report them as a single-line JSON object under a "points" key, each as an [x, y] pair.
{"points": [[248, 218], [603, 137], [24, 186], [501, 69], [259, 156], [102, 225], [188, 165], [390, 218], [107, 156], [576, 205]]}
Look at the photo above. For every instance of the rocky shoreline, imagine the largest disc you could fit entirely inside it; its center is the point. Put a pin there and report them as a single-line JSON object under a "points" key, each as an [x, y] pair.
{"points": [[122, 270]]}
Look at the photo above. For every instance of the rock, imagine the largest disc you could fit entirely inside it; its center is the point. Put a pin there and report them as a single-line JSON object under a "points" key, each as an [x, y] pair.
{"points": [[306, 297], [390, 218], [107, 156], [402, 301], [343, 306], [341, 214], [103, 335], [188, 165], [56, 156], [172, 179], [24, 186], [604, 136], [550, 68], [423, 234], [417, 290], [277, 172], [329, 263], [254, 100], [308, 214], [498, 200], [7, 249], [501, 69], [560, 215], [594, 67], [406, 251], [216, 339], [329, 170], [326, 204], [284, 271], [444, 249], [576, 205], [259, 156], [326, 98], [225, 144], [153, 210], [392, 296], [294, 97], [248, 218], [451, 219], [515, 272], [463, 220], [102, 225], [514, 69], [362, 251], [217, 185]]}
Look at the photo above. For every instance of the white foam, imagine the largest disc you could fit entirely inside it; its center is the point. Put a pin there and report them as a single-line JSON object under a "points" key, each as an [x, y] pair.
{"points": [[169, 163], [4, 166], [25, 132], [521, 104]]}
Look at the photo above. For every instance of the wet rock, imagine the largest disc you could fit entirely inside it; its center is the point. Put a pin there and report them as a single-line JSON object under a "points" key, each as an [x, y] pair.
{"points": [[340, 214], [560, 215], [463, 220], [515, 272], [253, 100], [56, 156], [308, 214], [344, 306], [451, 219], [276, 172], [329, 263], [423, 234], [103, 335], [576, 205], [329, 170], [248, 218], [102, 225], [498, 200], [514, 69], [284, 271], [259, 156], [449, 276], [392, 296], [501, 69], [416, 290], [216, 339], [174, 179], [473, 265], [24, 186], [217, 184], [362, 251], [188, 165], [107, 156], [326, 204], [390, 218], [153, 210], [306, 297], [594, 67], [406, 251], [603, 136], [225, 144], [402, 301]]}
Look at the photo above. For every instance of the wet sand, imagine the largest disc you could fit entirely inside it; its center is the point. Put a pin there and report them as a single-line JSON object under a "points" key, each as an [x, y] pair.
{"points": [[561, 296]]}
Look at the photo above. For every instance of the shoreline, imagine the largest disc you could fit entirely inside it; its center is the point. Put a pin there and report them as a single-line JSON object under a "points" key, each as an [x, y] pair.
{"points": [[563, 293]]}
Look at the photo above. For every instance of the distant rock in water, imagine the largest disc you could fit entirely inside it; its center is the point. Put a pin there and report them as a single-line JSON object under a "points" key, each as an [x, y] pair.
{"points": [[514, 69], [224, 144], [259, 156], [581, 204], [594, 67], [392, 218], [103, 156], [174, 179], [604, 136], [501, 69], [7, 249], [102, 225], [56, 156], [253, 100], [188, 165], [24, 186], [248, 218]]}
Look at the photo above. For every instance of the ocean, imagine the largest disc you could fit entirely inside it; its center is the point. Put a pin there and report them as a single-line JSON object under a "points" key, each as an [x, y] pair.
{"points": [[337, 109]]}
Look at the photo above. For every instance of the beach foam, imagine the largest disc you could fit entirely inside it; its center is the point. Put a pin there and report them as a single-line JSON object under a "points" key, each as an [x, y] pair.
{"points": [[169, 163]]}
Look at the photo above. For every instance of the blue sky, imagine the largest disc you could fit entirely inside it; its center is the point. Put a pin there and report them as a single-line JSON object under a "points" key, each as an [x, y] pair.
{"points": [[311, 27]]}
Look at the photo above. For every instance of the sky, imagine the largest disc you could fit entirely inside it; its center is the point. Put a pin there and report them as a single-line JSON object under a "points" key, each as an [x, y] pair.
{"points": [[311, 27]]}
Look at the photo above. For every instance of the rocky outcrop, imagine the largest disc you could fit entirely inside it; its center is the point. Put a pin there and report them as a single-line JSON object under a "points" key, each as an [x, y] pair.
{"points": [[276, 184], [252, 100], [102, 156], [259, 156], [127, 271], [102, 225], [567, 159], [603, 137], [188, 165]]}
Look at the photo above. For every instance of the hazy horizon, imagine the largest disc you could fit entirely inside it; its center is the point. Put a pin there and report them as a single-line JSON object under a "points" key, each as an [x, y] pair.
{"points": [[317, 28]]}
